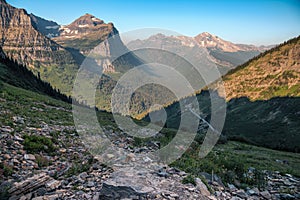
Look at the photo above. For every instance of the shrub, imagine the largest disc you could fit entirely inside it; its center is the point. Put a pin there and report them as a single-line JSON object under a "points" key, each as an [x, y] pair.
{"points": [[189, 179], [42, 161], [36, 144], [5, 170]]}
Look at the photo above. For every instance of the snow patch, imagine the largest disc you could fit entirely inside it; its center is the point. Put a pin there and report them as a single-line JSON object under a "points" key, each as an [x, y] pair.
{"points": [[83, 25], [67, 30], [52, 27], [96, 20]]}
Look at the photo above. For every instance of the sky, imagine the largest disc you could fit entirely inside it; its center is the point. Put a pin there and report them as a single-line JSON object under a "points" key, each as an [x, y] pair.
{"points": [[259, 22]]}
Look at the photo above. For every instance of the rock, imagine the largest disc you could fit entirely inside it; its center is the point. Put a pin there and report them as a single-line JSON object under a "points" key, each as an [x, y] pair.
{"points": [[41, 191], [29, 185], [83, 175], [52, 185], [242, 194], [163, 174], [18, 138], [287, 196], [231, 187], [147, 159], [23, 198], [90, 184], [118, 192], [29, 157], [253, 191], [6, 129], [130, 157], [174, 195], [62, 150], [7, 156], [266, 194], [201, 187], [18, 120], [110, 156], [235, 198]]}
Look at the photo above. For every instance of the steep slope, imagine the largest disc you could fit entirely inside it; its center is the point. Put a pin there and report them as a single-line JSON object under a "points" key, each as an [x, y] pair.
{"points": [[263, 100], [90, 35], [17, 75], [46, 27], [21, 41], [85, 33], [274, 73]]}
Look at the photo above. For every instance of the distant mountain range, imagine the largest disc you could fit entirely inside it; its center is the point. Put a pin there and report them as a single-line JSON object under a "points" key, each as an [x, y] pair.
{"points": [[55, 52], [224, 54], [263, 100]]}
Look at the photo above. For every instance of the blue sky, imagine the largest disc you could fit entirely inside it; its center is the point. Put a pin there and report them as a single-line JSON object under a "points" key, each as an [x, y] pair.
{"points": [[259, 22]]}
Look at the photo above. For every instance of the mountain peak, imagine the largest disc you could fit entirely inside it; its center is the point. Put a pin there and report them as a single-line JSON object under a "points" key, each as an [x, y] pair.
{"points": [[205, 34], [86, 21]]}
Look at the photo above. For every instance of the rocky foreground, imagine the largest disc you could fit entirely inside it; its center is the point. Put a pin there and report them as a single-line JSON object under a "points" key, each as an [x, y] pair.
{"points": [[71, 172]]}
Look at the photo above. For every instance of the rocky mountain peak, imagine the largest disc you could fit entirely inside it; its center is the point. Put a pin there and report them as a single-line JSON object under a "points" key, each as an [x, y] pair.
{"points": [[85, 25], [208, 40], [86, 21]]}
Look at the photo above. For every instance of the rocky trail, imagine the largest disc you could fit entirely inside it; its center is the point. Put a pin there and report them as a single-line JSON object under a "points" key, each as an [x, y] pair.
{"points": [[47, 161]]}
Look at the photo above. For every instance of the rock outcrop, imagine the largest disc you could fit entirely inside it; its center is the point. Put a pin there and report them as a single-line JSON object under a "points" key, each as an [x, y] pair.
{"points": [[21, 41]]}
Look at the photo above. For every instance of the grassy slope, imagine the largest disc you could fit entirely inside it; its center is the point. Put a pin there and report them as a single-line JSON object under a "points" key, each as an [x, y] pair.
{"points": [[233, 156], [20, 76], [274, 73]]}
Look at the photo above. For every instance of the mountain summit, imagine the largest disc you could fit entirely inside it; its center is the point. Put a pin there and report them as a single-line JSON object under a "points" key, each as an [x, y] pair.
{"points": [[208, 40], [85, 33]]}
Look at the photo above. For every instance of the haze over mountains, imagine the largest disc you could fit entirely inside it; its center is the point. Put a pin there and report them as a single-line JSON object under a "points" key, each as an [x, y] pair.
{"points": [[262, 96], [44, 155], [55, 52]]}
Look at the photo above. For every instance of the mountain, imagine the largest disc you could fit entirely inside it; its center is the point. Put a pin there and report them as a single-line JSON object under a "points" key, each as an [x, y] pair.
{"points": [[21, 41], [46, 27], [226, 55], [263, 100], [90, 35], [18, 75], [274, 73], [211, 41], [85, 33]]}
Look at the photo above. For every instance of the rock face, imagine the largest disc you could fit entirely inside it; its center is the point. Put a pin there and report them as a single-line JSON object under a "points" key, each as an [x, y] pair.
{"points": [[21, 41], [46, 27], [90, 33]]}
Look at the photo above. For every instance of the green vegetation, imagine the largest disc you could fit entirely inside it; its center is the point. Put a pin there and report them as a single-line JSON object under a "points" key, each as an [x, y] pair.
{"points": [[233, 160], [5, 170], [78, 167], [36, 107], [270, 123], [42, 161], [189, 179], [19, 76], [36, 144]]}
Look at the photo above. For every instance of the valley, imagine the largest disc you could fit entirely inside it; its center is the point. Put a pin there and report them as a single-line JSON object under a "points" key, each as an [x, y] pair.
{"points": [[51, 149]]}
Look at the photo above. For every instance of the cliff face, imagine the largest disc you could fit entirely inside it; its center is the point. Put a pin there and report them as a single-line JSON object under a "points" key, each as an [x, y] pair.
{"points": [[22, 42], [46, 27], [88, 33]]}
